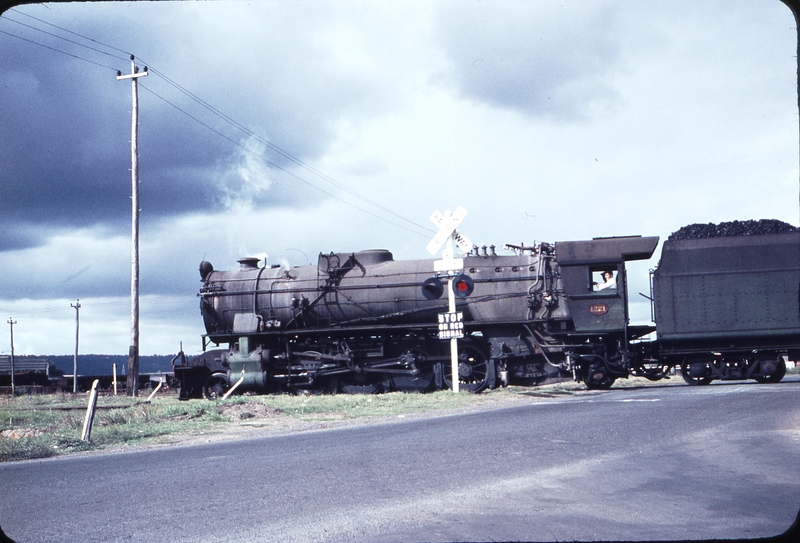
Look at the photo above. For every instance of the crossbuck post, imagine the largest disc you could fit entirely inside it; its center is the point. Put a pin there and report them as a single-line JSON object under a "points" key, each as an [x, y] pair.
{"points": [[447, 224]]}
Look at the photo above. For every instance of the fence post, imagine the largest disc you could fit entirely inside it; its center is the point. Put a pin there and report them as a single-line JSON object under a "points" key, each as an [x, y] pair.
{"points": [[150, 397], [89, 419], [236, 384]]}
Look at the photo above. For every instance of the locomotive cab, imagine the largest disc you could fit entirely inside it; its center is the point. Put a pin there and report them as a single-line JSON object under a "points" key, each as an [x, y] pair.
{"points": [[593, 274]]}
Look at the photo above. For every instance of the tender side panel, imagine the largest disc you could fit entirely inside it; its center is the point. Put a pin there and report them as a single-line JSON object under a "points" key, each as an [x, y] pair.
{"points": [[714, 290]]}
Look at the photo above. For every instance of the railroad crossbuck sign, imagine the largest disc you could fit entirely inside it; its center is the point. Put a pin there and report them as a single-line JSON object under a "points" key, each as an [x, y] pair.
{"points": [[447, 224], [451, 324]]}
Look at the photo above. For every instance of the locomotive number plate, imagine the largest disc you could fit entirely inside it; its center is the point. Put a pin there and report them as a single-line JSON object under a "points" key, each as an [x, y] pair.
{"points": [[451, 325], [598, 309]]}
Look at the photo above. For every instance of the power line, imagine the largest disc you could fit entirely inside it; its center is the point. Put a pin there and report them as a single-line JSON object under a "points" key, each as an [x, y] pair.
{"points": [[58, 50], [126, 53], [222, 116], [63, 38], [278, 167], [236, 125], [280, 151]]}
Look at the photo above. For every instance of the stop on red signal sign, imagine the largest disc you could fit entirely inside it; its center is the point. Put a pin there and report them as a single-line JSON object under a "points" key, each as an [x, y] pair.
{"points": [[451, 325]]}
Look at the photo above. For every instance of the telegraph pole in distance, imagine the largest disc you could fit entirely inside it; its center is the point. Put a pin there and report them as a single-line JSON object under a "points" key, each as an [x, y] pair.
{"points": [[133, 353], [13, 387], [77, 307]]}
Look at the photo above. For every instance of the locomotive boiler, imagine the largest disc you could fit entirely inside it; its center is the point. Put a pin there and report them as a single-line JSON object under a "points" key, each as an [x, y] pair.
{"points": [[361, 322]]}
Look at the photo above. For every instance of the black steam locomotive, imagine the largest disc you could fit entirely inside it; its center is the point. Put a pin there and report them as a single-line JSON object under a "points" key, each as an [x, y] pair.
{"points": [[724, 307]]}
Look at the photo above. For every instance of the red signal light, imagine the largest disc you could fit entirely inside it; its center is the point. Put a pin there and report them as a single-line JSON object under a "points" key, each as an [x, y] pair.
{"points": [[463, 285]]}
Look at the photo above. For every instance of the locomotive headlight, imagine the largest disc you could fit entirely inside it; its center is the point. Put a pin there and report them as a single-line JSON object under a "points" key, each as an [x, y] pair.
{"points": [[463, 285]]}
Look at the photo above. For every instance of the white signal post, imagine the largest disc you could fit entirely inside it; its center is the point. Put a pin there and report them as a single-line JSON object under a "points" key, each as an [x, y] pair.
{"points": [[447, 224]]}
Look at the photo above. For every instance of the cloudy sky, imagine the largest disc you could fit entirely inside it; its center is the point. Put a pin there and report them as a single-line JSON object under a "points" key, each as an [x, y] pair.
{"points": [[285, 129]]}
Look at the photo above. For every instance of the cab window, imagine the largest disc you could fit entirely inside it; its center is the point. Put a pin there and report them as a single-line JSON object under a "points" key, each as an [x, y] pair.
{"points": [[604, 279]]}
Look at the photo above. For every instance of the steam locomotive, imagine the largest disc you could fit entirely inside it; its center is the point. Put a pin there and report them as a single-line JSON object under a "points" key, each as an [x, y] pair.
{"points": [[362, 322]]}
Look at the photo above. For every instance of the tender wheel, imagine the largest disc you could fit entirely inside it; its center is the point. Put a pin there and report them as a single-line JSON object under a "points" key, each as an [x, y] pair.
{"points": [[360, 383], [475, 370], [598, 378], [216, 386], [696, 372], [771, 371], [422, 381]]}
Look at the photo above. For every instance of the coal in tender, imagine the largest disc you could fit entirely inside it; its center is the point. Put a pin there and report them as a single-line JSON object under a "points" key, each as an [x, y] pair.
{"points": [[733, 228]]}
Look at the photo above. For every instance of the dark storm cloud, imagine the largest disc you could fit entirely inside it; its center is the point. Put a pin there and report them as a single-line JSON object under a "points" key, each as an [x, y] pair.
{"points": [[66, 154], [59, 162], [19, 236], [523, 59]]}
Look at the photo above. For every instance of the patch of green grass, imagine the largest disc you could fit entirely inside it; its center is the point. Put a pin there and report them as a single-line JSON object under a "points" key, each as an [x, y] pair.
{"points": [[47, 425], [344, 406], [53, 424]]}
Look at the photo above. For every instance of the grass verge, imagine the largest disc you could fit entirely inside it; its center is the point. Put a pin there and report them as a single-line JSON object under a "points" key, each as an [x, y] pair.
{"points": [[47, 425]]}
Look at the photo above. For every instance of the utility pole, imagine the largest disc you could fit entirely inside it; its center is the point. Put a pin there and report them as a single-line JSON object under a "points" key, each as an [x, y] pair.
{"points": [[133, 351], [77, 307], [13, 386]]}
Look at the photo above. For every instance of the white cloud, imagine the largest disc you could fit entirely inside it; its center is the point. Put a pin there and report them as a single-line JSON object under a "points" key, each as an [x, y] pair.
{"points": [[248, 178], [551, 61]]}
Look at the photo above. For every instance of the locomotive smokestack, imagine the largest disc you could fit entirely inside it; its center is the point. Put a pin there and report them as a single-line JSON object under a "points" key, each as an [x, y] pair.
{"points": [[248, 263]]}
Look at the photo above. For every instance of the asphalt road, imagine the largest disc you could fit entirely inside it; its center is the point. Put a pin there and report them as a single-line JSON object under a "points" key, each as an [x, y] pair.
{"points": [[683, 462]]}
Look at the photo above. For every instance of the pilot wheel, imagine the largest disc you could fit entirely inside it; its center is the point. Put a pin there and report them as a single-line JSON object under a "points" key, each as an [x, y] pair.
{"points": [[599, 377], [216, 386]]}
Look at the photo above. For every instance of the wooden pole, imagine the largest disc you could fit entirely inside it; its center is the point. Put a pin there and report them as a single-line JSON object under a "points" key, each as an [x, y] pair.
{"points": [[133, 351], [88, 420], [13, 385], [77, 307]]}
